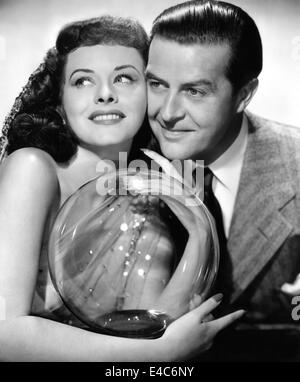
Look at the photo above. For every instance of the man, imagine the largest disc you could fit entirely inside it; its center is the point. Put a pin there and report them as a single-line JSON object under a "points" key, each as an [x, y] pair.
{"points": [[204, 60]]}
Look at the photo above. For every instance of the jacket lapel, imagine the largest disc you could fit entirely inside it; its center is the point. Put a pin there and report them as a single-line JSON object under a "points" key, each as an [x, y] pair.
{"points": [[258, 228]]}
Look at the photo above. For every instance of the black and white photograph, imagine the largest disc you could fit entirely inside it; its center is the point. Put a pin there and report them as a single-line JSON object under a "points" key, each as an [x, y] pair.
{"points": [[150, 183]]}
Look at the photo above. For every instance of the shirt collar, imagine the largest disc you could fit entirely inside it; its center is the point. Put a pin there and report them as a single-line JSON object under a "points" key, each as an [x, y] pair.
{"points": [[227, 168]]}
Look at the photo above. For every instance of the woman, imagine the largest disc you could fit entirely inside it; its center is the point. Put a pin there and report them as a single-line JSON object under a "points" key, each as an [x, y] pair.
{"points": [[85, 103]]}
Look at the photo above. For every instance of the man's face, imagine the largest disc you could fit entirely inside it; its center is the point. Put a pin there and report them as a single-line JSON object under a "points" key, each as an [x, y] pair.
{"points": [[191, 105]]}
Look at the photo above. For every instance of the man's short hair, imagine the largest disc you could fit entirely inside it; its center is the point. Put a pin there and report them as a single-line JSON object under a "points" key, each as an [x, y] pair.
{"points": [[215, 22]]}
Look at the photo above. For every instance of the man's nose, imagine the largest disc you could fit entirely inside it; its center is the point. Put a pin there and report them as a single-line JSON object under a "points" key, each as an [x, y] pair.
{"points": [[106, 94], [172, 110]]}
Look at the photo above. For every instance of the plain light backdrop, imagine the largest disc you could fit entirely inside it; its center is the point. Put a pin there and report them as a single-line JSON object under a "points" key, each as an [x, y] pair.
{"points": [[29, 27]]}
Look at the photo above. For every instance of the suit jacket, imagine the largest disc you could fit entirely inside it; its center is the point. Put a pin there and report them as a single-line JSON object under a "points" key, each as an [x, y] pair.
{"points": [[264, 248], [264, 239]]}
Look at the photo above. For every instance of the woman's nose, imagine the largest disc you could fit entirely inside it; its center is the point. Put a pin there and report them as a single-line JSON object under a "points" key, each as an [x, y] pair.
{"points": [[105, 95]]}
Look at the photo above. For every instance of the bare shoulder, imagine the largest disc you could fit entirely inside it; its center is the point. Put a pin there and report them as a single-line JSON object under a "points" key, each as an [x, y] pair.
{"points": [[29, 166], [30, 156]]}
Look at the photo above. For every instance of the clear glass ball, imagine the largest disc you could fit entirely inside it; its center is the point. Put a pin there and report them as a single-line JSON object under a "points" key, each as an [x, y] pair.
{"points": [[131, 251]]}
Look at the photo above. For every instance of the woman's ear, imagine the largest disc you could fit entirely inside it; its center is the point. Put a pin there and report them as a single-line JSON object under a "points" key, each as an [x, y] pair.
{"points": [[60, 110], [245, 94]]}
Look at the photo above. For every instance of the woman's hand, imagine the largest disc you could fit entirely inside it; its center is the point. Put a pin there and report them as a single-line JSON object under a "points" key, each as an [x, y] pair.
{"points": [[193, 334]]}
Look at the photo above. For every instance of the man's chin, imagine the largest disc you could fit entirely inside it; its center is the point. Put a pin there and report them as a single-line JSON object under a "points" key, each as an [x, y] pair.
{"points": [[171, 153]]}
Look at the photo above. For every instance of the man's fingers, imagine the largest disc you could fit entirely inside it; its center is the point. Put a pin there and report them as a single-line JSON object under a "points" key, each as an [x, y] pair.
{"points": [[164, 163], [225, 321], [292, 289]]}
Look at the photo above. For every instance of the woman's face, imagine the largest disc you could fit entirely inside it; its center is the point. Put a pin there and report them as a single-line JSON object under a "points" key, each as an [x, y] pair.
{"points": [[104, 95]]}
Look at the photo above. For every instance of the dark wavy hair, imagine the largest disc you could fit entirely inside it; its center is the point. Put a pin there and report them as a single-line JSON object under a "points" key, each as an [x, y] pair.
{"points": [[38, 121], [215, 22]]}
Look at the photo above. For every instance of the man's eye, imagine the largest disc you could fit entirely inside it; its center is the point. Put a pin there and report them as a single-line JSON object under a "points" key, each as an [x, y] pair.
{"points": [[123, 79], [154, 84], [84, 81], [195, 92]]}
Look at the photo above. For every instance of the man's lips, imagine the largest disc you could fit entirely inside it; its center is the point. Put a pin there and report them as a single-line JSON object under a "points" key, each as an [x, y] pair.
{"points": [[174, 129], [173, 133]]}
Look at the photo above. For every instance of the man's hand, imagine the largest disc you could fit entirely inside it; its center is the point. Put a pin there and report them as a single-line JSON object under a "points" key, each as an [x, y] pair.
{"points": [[292, 289]]}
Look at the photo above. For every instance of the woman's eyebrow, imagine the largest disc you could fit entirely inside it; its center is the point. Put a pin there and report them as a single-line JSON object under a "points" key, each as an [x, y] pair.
{"points": [[81, 70], [119, 67], [126, 66]]}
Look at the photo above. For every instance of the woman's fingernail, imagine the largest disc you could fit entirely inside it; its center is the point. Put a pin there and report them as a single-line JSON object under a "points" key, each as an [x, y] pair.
{"points": [[241, 313], [218, 297]]}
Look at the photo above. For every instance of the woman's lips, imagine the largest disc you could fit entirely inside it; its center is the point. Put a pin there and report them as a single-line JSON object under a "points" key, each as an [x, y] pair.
{"points": [[107, 118]]}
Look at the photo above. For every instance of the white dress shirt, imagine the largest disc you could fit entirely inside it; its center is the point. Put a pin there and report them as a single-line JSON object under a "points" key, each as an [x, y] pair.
{"points": [[227, 171]]}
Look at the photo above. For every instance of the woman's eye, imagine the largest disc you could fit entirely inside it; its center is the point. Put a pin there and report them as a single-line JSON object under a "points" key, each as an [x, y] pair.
{"points": [[123, 79], [84, 81]]}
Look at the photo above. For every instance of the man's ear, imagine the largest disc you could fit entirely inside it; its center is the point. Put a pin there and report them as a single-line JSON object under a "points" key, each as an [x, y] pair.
{"points": [[245, 94]]}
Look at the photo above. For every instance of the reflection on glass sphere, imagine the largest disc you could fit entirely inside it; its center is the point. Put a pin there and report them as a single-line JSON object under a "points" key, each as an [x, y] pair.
{"points": [[130, 250]]}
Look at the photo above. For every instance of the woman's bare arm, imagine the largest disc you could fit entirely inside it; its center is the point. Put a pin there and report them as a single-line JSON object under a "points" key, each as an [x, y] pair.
{"points": [[28, 191]]}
